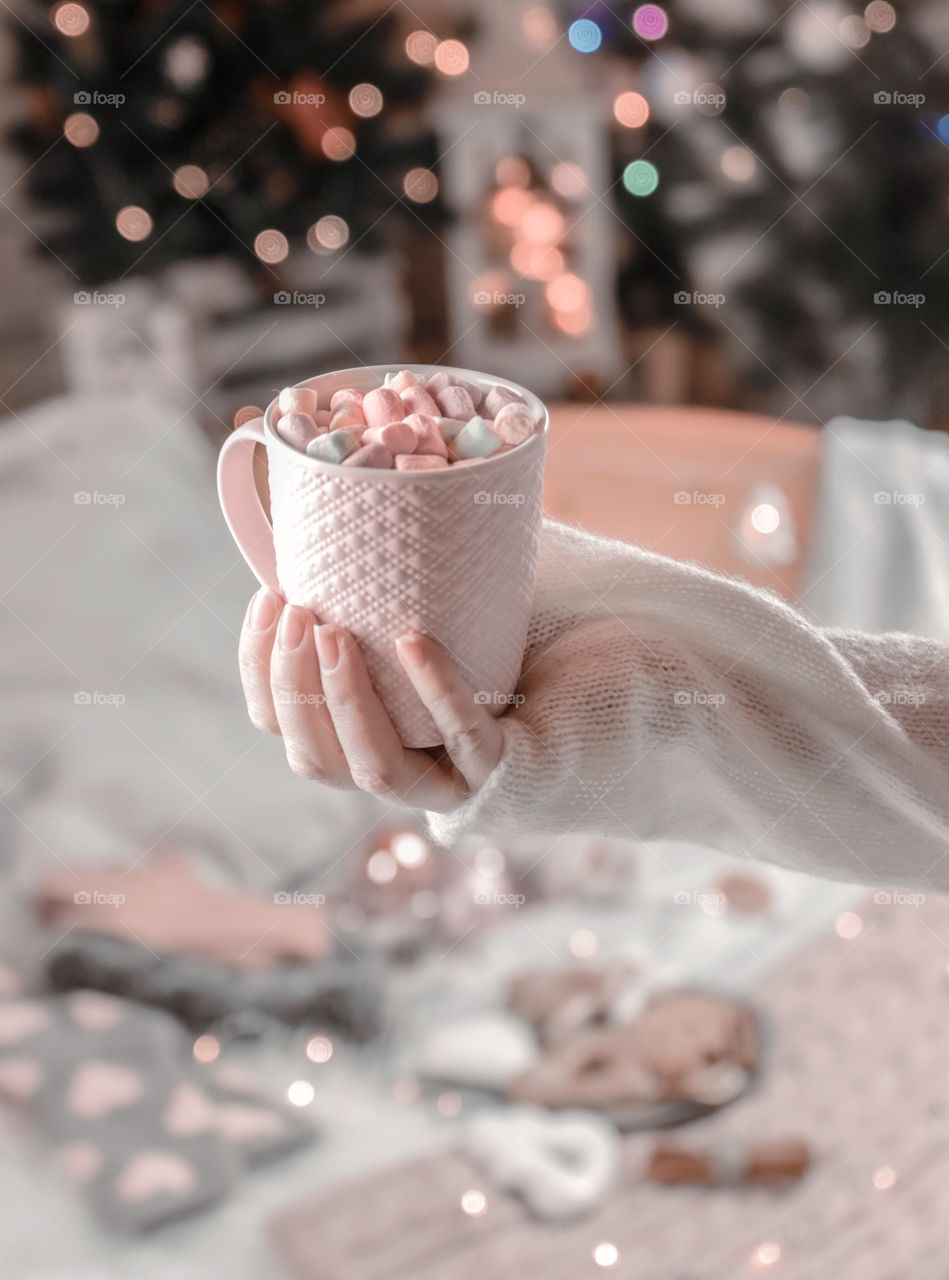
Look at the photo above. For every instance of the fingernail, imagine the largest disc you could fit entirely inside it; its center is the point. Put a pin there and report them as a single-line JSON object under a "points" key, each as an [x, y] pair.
{"points": [[411, 650], [327, 647], [292, 629], [263, 609]]}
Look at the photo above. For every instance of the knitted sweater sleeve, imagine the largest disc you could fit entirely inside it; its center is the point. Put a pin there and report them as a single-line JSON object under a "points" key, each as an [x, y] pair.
{"points": [[659, 701]]}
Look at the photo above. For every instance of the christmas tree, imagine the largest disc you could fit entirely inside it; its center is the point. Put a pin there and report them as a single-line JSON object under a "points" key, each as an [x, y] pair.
{"points": [[159, 130]]}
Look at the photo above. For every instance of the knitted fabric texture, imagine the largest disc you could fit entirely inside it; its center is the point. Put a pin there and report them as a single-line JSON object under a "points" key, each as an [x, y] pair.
{"points": [[665, 702]]}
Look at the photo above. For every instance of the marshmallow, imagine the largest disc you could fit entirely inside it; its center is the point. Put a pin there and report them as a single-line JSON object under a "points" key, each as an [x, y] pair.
{"points": [[439, 381], [370, 455], [382, 406], [514, 423], [402, 380], [347, 414], [334, 446], [418, 400], [322, 419], [297, 429], [419, 462], [486, 1051], [449, 427], [498, 397], [428, 438], [298, 400], [345, 393], [398, 437], [455, 402], [475, 440]]}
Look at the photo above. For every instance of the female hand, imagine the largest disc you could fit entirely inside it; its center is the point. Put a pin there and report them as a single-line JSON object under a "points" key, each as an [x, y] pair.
{"points": [[309, 683]]}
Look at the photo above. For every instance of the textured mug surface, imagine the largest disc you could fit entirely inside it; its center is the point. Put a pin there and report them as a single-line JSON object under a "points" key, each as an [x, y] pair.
{"points": [[449, 553]]}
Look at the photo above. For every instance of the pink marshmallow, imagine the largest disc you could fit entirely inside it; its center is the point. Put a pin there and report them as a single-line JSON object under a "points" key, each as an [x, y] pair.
{"points": [[297, 429], [455, 402], [382, 406], [402, 380], [323, 419], [419, 462], [428, 438], [513, 423], [347, 414], [370, 455], [298, 400], [418, 400], [398, 437], [345, 393], [497, 398], [439, 381]]}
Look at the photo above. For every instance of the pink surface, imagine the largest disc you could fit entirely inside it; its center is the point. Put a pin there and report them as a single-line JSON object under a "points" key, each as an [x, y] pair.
{"points": [[858, 1069]]}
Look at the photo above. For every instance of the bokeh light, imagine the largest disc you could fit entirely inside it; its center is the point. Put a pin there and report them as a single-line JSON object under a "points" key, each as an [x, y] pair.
{"points": [[766, 1254], [584, 35], [848, 926], [420, 185], [80, 129], [765, 517], [583, 943], [542, 224], [420, 46], [880, 16], [738, 164], [191, 182], [271, 246], [606, 1254], [650, 22], [134, 223], [319, 1049], [206, 1049], [338, 143], [71, 20], [365, 100], [794, 99], [942, 128], [452, 58], [474, 1203], [640, 178], [328, 233], [854, 32], [573, 323], [567, 293], [512, 171], [382, 868], [535, 263], [409, 849], [301, 1093], [509, 205], [631, 109], [539, 26], [568, 180], [884, 1178]]}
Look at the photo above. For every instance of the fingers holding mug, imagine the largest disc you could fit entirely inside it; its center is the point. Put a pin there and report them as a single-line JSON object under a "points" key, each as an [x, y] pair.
{"points": [[254, 651]]}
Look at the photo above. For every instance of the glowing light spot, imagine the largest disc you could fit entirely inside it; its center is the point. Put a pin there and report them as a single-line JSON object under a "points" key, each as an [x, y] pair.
{"points": [[409, 849], [584, 35], [382, 868], [271, 245], [512, 171], [301, 1093], [365, 100], [650, 22], [490, 863], [474, 1203], [510, 204], [854, 32], [328, 234], [766, 1254], [191, 182], [848, 926], [583, 943], [425, 905], [880, 16], [133, 223], [738, 163], [640, 178], [631, 110], [452, 58], [420, 185], [536, 264], [794, 99], [449, 1104], [568, 180], [942, 128], [338, 144], [542, 224], [206, 1049], [420, 46], [319, 1049], [606, 1254], [884, 1178], [247, 413], [567, 293], [573, 323], [80, 129], [765, 518], [71, 20], [539, 26]]}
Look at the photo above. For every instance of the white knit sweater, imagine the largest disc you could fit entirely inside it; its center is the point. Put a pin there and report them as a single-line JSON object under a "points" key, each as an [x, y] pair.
{"points": [[664, 702]]}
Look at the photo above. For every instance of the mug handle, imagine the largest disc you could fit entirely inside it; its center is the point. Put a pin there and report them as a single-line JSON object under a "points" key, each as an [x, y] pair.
{"points": [[240, 502]]}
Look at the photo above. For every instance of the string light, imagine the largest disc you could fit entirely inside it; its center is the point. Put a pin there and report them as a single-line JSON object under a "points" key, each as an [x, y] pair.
{"points": [[191, 182], [880, 16], [71, 20], [80, 129], [328, 233], [452, 58], [420, 185], [338, 143], [848, 926], [474, 1203], [134, 223], [271, 246], [640, 178], [319, 1049], [650, 22], [606, 1254], [420, 46], [584, 35], [631, 109], [409, 849], [301, 1093], [206, 1049], [365, 100]]}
